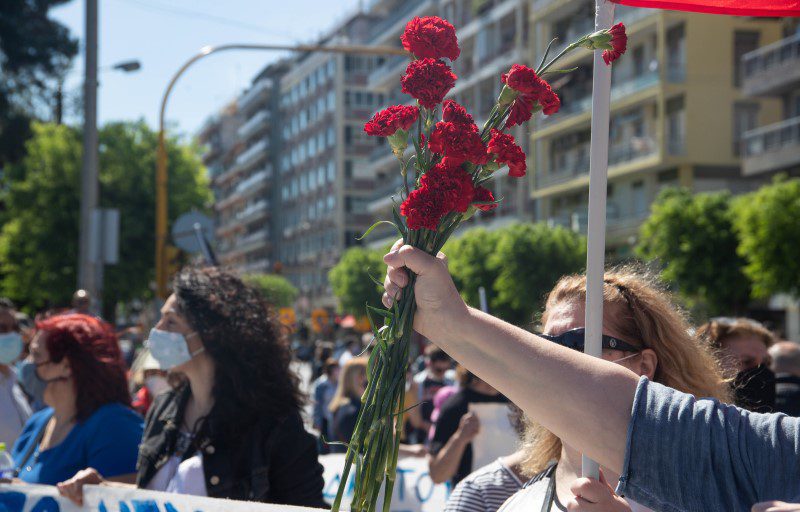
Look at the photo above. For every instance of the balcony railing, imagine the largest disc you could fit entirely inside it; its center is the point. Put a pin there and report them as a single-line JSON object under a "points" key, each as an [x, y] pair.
{"points": [[252, 210], [394, 17], [619, 89], [772, 69], [255, 93], [573, 167], [255, 123], [636, 148], [255, 180], [772, 147], [251, 154], [388, 72]]}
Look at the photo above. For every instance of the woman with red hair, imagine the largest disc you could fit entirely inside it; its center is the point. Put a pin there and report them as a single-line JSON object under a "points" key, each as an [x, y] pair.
{"points": [[88, 421]]}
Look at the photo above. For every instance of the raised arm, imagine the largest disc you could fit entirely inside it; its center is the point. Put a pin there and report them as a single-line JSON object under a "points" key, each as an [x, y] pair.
{"points": [[567, 392]]}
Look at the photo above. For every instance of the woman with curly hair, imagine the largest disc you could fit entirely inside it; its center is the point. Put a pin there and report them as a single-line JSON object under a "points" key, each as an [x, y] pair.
{"points": [[232, 429], [88, 420]]}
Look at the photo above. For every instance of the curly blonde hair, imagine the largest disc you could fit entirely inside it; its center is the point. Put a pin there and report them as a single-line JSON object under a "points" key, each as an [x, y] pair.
{"points": [[645, 315]]}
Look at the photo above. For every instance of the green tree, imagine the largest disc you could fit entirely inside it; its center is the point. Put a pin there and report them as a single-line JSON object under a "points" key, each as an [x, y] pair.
{"points": [[351, 283], [38, 243], [768, 223], [276, 289], [692, 237], [35, 52], [529, 259], [468, 260]]}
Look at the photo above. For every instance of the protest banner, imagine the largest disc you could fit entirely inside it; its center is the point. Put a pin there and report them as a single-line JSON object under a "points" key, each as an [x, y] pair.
{"points": [[415, 492]]}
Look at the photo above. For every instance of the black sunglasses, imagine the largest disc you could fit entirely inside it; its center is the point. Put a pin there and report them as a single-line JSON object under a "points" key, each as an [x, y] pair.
{"points": [[576, 339]]}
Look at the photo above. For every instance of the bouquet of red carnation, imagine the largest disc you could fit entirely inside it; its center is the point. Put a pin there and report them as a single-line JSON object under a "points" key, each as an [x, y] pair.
{"points": [[445, 181]]}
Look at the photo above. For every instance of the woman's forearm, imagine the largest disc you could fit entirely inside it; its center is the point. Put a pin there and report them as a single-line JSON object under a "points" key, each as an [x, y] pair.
{"points": [[444, 464], [584, 400]]}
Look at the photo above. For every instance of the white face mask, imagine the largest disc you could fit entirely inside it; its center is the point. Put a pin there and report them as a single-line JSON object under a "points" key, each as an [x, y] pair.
{"points": [[170, 348], [10, 347], [156, 384]]}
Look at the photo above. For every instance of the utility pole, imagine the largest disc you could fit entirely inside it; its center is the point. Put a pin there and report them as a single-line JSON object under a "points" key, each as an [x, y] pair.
{"points": [[89, 181]]}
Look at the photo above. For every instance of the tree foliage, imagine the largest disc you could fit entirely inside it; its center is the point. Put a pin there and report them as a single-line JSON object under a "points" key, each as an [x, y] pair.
{"points": [[692, 238], [768, 224], [276, 289], [529, 259], [468, 260], [35, 52], [351, 283], [39, 240]]}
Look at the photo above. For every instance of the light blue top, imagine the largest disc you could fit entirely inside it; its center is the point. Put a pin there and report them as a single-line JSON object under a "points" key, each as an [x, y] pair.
{"points": [[107, 441], [685, 454]]}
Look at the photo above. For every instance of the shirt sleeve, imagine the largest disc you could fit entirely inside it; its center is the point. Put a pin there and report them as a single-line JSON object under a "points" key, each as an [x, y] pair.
{"points": [[113, 445], [446, 425], [466, 497], [685, 453]]}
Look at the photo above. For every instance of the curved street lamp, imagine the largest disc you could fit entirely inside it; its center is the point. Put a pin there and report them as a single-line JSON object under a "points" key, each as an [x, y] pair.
{"points": [[161, 160]]}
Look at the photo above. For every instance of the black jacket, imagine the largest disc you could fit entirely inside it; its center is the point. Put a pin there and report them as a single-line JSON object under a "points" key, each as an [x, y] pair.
{"points": [[273, 461]]}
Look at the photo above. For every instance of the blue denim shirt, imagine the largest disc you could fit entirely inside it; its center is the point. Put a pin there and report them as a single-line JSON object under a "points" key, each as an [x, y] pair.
{"points": [[687, 454]]}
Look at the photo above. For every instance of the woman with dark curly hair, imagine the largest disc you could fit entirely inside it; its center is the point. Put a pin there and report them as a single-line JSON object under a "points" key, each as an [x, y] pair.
{"points": [[232, 429], [88, 421]]}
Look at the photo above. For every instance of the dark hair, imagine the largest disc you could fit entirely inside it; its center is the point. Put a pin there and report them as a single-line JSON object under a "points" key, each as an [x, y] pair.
{"points": [[241, 334], [434, 353], [91, 347], [329, 365]]}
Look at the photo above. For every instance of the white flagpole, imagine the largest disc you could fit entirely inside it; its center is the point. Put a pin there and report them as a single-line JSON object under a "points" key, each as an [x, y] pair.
{"points": [[598, 179]]}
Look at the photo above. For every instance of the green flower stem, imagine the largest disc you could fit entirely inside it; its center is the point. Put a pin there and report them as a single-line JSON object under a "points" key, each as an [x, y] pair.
{"points": [[541, 71]]}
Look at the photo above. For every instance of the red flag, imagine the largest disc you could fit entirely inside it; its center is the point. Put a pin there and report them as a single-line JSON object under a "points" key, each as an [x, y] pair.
{"points": [[768, 8]]}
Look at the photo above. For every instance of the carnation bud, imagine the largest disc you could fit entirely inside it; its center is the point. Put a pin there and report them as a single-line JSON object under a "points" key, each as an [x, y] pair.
{"points": [[398, 142], [507, 96]]}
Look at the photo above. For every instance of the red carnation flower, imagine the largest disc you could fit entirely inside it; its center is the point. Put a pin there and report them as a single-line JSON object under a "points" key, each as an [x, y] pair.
{"points": [[523, 79], [458, 143], [422, 209], [386, 122], [428, 80], [484, 195], [454, 113], [550, 102], [451, 184], [430, 37], [506, 151], [521, 110], [619, 41]]}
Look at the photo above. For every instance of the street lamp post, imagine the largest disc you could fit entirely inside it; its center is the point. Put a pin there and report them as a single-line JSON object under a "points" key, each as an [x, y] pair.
{"points": [[161, 160]]}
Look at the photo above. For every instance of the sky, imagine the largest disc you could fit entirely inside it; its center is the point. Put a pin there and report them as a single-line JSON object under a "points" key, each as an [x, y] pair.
{"points": [[163, 34]]}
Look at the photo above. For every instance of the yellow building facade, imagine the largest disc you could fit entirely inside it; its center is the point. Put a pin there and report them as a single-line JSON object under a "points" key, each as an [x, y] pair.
{"points": [[677, 112]]}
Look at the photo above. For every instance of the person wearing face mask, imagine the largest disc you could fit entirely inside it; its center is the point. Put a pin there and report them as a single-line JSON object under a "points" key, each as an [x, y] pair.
{"points": [[14, 408], [742, 347], [152, 381], [642, 331], [88, 421], [232, 429]]}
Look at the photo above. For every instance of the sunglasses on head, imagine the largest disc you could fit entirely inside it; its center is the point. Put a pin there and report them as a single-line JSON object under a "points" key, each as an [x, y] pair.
{"points": [[576, 339]]}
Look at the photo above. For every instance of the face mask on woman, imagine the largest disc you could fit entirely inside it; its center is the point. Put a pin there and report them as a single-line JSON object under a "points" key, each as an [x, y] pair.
{"points": [[170, 348], [10, 347], [30, 381], [156, 384]]}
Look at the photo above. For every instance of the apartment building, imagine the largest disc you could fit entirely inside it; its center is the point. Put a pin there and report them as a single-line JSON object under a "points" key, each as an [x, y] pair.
{"points": [[678, 112], [242, 181], [324, 172], [772, 73], [492, 35]]}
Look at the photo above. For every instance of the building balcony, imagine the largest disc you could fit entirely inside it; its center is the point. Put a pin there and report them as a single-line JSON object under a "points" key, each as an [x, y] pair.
{"points": [[389, 73], [259, 266], [384, 193], [620, 89], [252, 154], [491, 65], [256, 181], [772, 69], [575, 172], [772, 148], [255, 124], [491, 12], [394, 22], [254, 211], [257, 93]]}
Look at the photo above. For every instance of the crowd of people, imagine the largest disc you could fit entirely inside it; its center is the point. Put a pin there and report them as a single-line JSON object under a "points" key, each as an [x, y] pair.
{"points": [[211, 404]]}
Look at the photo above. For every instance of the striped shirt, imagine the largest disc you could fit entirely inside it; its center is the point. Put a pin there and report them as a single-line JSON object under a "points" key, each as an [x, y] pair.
{"points": [[484, 490]]}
